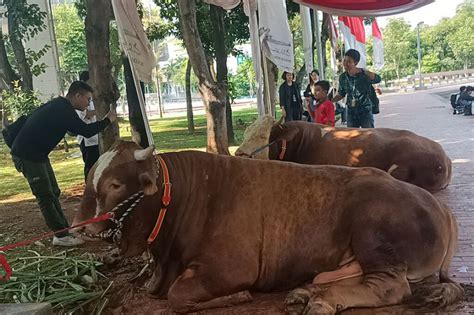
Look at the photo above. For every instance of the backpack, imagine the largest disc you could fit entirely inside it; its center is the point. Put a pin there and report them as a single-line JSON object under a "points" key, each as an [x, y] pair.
{"points": [[10, 132], [374, 100], [452, 99]]}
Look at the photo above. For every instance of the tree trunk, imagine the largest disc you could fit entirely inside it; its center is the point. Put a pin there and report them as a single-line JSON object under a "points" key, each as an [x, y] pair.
{"points": [[134, 112], [99, 13], [6, 70], [158, 91], [324, 38], [214, 95], [19, 51], [217, 20], [189, 101]]}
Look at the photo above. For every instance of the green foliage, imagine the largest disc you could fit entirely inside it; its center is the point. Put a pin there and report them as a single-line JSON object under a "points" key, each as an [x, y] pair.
{"points": [[19, 102], [460, 39], [435, 47], [71, 40], [235, 23], [399, 49], [243, 82], [33, 57], [29, 18], [445, 46], [297, 32], [175, 72], [26, 21]]}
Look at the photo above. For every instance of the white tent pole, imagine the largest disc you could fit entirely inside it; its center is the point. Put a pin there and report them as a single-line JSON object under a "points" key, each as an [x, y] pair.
{"points": [[141, 101], [256, 55], [317, 34]]}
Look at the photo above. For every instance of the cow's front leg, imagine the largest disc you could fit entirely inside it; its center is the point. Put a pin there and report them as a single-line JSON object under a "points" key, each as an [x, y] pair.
{"points": [[376, 289], [201, 288], [298, 299]]}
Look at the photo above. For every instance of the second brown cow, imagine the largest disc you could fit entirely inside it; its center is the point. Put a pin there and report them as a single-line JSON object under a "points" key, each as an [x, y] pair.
{"points": [[403, 154]]}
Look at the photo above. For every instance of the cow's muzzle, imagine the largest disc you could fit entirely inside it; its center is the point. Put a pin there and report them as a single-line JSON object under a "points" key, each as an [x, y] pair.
{"points": [[114, 233]]}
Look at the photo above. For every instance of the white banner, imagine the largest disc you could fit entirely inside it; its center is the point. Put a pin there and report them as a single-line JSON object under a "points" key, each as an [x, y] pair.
{"points": [[275, 34], [133, 39], [307, 38]]}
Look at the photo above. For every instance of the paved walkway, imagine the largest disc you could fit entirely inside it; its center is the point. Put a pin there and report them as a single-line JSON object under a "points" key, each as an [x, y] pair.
{"points": [[430, 115]]}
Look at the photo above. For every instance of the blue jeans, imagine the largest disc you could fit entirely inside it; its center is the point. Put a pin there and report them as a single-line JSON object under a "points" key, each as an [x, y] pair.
{"points": [[366, 121]]}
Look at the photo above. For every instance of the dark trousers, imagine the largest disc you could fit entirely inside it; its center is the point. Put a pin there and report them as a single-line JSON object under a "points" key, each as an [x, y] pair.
{"points": [[293, 113], [365, 121], [90, 155], [43, 184]]}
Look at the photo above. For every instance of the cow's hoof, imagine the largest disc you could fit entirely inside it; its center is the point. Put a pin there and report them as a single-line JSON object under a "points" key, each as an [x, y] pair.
{"points": [[296, 301], [318, 306]]}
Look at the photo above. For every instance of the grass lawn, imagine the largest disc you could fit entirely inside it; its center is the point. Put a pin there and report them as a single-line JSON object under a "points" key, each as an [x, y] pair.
{"points": [[170, 134]]}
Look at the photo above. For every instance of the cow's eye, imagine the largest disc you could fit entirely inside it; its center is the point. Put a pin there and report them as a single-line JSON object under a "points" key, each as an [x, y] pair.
{"points": [[114, 186]]}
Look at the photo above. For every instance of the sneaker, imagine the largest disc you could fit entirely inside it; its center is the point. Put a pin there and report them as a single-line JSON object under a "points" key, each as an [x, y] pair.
{"points": [[69, 240]]}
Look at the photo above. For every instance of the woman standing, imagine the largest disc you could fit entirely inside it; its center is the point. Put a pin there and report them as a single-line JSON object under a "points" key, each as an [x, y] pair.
{"points": [[290, 98], [310, 100]]}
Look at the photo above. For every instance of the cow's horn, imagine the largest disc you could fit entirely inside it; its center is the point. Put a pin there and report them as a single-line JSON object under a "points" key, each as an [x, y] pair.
{"points": [[142, 155], [392, 168]]}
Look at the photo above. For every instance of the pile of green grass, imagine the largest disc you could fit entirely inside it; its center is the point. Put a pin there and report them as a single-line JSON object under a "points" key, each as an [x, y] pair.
{"points": [[71, 284]]}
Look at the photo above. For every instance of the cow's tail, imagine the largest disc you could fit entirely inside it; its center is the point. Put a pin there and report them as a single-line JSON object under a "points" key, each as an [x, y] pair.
{"points": [[446, 292]]}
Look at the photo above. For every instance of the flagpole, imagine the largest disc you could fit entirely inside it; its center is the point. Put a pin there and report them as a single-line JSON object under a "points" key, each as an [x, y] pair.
{"points": [[256, 54], [141, 101], [268, 109]]}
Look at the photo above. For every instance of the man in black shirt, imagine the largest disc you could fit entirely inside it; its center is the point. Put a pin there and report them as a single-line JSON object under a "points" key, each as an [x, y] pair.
{"points": [[40, 134]]}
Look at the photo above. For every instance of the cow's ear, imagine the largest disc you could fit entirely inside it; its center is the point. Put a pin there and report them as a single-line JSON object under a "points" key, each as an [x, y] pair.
{"points": [[287, 134], [147, 184]]}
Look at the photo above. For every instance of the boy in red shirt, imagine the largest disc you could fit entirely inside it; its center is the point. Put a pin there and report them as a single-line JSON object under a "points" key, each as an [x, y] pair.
{"points": [[325, 113]]}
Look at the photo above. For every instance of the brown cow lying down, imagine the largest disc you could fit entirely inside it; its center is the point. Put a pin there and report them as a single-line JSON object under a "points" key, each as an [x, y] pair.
{"points": [[403, 154], [236, 225]]}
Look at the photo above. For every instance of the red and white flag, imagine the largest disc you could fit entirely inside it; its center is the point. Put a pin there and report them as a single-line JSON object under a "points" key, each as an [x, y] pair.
{"points": [[378, 46], [353, 32]]}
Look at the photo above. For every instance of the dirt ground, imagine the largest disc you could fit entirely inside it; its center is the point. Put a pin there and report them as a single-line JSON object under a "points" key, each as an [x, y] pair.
{"points": [[22, 220]]}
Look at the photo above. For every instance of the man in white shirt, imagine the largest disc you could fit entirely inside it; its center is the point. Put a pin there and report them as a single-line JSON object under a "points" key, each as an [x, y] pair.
{"points": [[89, 146]]}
